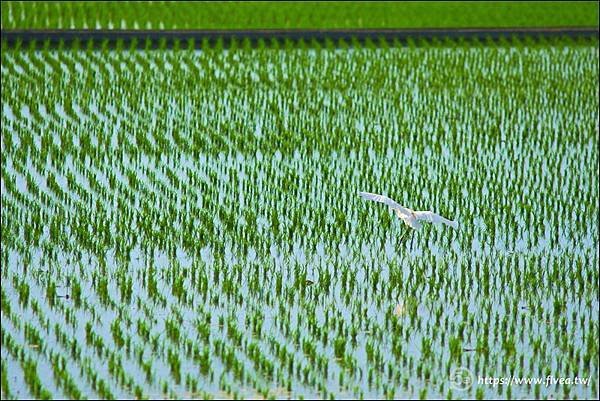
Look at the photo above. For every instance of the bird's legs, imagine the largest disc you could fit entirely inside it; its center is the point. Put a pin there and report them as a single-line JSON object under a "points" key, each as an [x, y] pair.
{"points": [[406, 231]]}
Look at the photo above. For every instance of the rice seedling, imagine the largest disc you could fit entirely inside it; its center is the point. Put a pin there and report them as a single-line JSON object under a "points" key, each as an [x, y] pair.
{"points": [[186, 223]]}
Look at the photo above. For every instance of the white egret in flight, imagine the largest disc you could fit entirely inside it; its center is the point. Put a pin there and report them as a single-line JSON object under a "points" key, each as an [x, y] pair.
{"points": [[411, 218]]}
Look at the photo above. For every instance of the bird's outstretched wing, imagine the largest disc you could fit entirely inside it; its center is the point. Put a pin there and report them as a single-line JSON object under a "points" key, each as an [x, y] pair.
{"points": [[385, 200], [435, 218]]}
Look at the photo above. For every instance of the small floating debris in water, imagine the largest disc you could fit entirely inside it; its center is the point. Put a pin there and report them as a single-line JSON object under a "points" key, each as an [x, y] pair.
{"points": [[400, 309]]}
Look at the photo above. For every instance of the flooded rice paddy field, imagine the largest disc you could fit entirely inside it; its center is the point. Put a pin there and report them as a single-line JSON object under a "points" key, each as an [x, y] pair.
{"points": [[187, 224]]}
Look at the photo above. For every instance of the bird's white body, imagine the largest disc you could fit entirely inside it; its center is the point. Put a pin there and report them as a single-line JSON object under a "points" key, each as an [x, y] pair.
{"points": [[411, 218]]}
